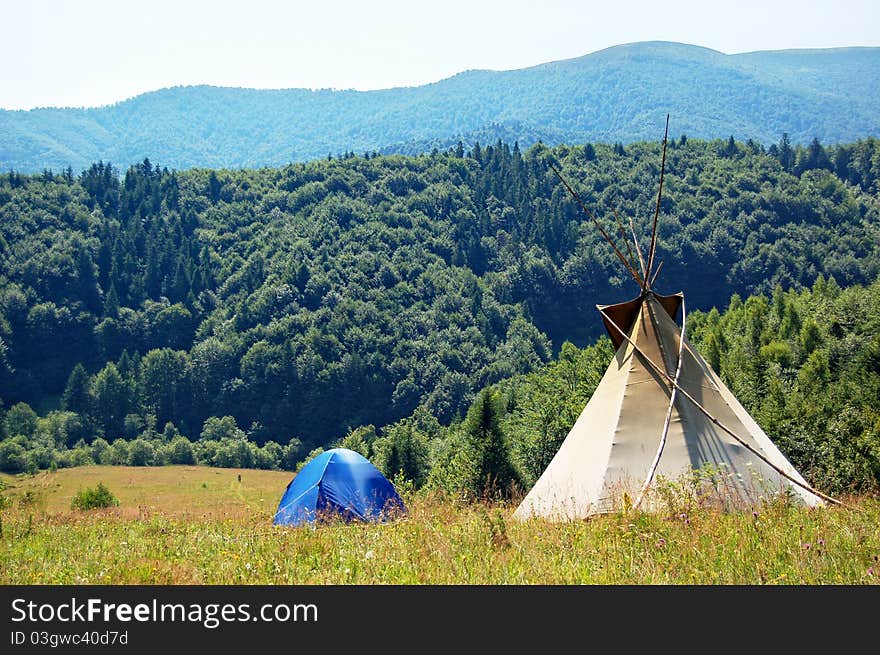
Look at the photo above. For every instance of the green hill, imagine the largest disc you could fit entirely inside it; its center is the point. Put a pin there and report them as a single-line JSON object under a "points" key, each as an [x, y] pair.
{"points": [[618, 94], [310, 299]]}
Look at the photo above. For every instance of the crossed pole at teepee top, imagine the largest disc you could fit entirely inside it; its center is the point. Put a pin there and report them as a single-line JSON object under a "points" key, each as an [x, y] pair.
{"points": [[643, 273]]}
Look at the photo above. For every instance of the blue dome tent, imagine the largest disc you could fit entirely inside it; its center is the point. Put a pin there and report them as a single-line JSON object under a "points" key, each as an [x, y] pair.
{"points": [[338, 483]]}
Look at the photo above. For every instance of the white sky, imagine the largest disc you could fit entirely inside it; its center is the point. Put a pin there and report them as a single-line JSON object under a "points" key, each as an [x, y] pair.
{"points": [[95, 52]]}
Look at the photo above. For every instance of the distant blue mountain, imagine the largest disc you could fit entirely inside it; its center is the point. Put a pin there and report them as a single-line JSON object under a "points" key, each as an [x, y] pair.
{"points": [[618, 94]]}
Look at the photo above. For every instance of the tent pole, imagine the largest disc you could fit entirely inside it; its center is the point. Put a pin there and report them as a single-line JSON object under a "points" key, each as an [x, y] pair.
{"points": [[653, 247], [632, 228], [656, 273], [607, 238], [622, 233], [714, 420]]}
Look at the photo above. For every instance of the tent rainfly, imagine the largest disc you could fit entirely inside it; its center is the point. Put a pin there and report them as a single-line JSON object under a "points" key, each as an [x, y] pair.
{"points": [[341, 484], [659, 410]]}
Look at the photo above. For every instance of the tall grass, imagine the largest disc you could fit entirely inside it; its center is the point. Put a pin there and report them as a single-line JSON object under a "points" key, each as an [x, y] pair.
{"points": [[442, 541]]}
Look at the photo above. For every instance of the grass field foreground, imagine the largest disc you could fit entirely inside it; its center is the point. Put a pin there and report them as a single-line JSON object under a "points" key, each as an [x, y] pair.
{"points": [[194, 525]]}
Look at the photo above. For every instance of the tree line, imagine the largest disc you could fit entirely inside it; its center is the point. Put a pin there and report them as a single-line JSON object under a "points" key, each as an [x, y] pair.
{"points": [[302, 302], [805, 363]]}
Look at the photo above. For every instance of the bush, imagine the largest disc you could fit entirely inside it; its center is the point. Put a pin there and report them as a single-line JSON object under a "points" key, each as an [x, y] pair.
{"points": [[403, 450], [180, 451], [94, 498], [140, 453], [116, 454], [13, 457]]}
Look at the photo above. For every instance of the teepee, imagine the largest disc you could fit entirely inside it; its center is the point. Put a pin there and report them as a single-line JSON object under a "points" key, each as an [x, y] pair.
{"points": [[659, 411]]}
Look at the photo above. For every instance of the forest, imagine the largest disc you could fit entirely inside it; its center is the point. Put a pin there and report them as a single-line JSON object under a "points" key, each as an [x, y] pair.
{"points": [[250, 317]]}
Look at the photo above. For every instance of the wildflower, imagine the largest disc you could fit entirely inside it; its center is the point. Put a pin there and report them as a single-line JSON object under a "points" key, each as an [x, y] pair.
{"points": [[755, 514], [871, 570], [661, 542], [369, 554], [248, 566], [807, 546], [821, 541]]}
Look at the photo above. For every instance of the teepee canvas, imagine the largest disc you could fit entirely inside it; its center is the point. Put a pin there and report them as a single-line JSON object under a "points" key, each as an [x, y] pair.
{"points": [[659, 411]]}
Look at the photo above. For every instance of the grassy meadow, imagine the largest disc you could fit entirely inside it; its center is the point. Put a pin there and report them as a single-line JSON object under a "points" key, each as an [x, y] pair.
{"points": [[199, 525]]}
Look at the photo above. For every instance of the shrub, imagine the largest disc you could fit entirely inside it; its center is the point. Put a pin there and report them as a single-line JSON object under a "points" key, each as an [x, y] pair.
{"points": [[140, 453], [403, 450], [180, 451], [94, 498], [13, 457], [31, 499]]}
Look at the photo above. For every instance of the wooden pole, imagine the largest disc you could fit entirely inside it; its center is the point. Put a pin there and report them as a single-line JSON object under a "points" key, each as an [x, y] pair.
{"points": [[656, 273], [629, 252], [657, 211], [632, 228], [610, 241]]}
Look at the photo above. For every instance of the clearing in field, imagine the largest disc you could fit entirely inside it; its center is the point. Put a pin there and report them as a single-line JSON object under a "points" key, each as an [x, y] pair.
{"points": [[143, 490]]}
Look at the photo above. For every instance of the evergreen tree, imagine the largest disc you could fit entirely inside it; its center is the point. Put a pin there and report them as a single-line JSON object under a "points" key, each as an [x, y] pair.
{"points": [[730, 148], [77, 395], [786, 154], [812, 157], [403, 451], [494, 475], [113, 396], [214, 187], [111, 302]]}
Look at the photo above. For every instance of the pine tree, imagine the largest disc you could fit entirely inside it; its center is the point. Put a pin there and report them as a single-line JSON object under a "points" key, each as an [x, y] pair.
{"points": [[111, 302], [730, 149], [302, 276], [786, 153], [214, 187], [180, 285], [494, 475], [77, 397], [589, 152]]}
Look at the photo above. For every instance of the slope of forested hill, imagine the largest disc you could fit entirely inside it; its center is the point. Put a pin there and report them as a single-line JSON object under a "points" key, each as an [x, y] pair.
{"points": [[307, 300], [617, 94]]}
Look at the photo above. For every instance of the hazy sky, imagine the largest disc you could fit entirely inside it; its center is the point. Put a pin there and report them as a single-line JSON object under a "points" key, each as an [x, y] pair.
{"points": [[95, 52]]}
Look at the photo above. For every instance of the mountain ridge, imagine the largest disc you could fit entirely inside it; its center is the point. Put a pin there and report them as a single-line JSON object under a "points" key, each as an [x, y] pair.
{"points": [[454, 75], [608, 95]]}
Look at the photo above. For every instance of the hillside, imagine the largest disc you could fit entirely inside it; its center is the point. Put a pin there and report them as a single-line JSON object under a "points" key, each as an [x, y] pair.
{"points": [[308, 300], [618, 94]]}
